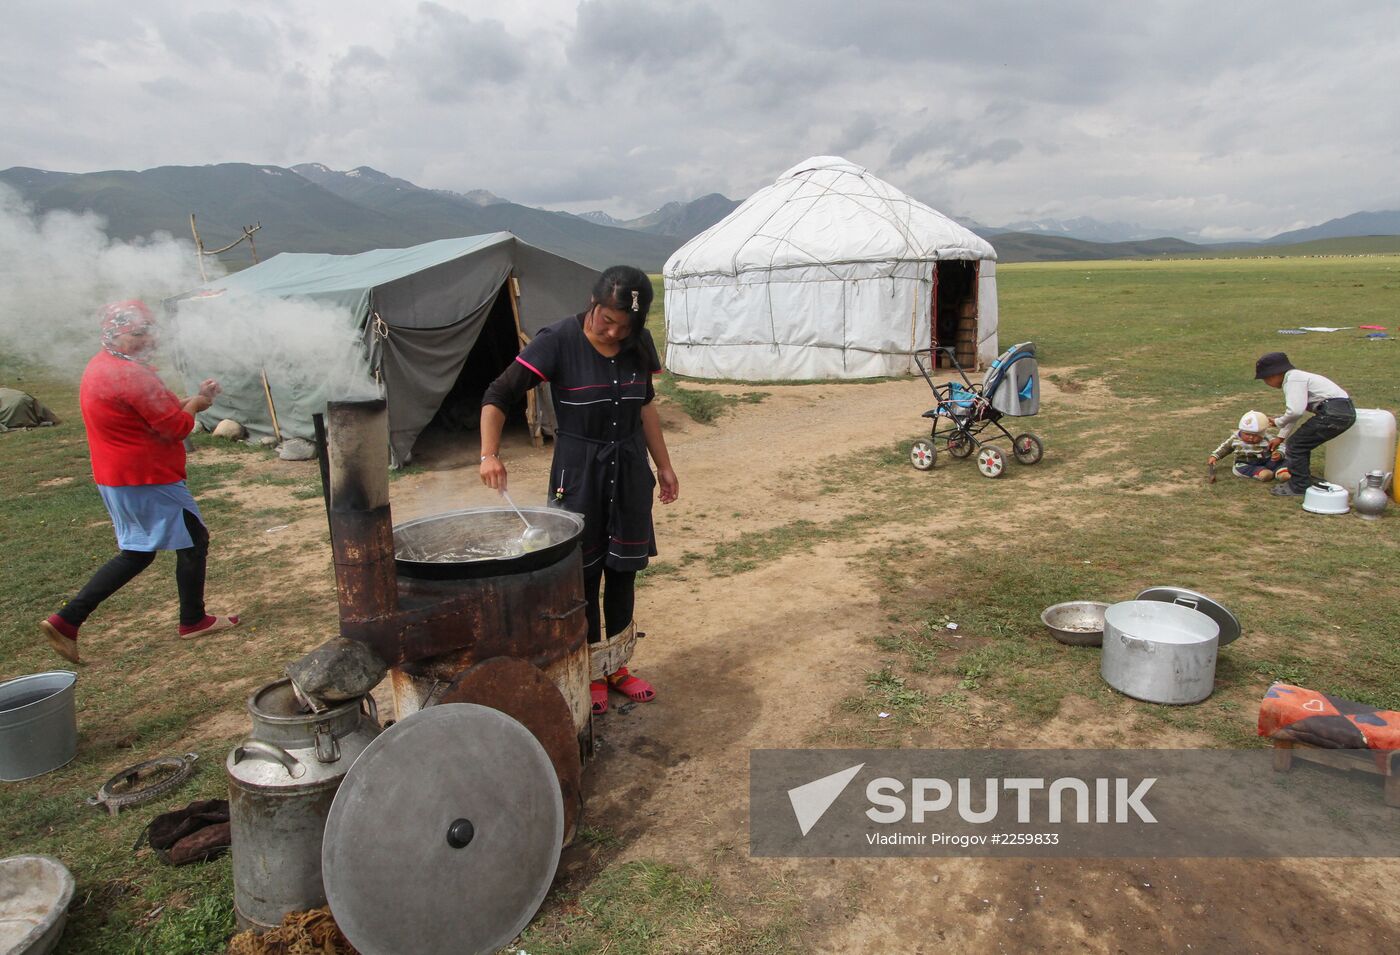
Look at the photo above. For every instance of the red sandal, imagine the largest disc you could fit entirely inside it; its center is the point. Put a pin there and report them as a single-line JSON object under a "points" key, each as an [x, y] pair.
{"points": [[598, 693], [634, 688]]}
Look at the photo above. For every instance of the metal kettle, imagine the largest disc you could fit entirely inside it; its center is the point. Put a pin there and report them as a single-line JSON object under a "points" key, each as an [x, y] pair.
{"points": [[1371, 500]]}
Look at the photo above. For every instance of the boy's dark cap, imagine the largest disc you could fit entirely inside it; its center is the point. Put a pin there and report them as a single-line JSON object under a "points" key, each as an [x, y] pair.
{"points": [[1274, 363]]}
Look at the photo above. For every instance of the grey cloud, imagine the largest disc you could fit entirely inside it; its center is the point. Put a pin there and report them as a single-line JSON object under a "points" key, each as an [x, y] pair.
{"points": [[615, 34], [1185, 112], [224, 37], [996, 151], [856, 134], [926, 139], [450, 55], [361, 58], [167, 88]]}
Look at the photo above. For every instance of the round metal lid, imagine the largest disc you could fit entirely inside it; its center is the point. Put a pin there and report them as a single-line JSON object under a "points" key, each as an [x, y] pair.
{"points": [[519, 690], [444, 835], [1229, 624]]}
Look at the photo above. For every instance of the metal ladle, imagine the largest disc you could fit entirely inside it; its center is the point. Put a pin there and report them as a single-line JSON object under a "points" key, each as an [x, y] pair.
{"points": [[532, 538]]}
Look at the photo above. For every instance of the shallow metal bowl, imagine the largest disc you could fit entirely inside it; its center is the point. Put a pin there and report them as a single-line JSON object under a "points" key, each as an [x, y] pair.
{"points": [[1077, 622]]}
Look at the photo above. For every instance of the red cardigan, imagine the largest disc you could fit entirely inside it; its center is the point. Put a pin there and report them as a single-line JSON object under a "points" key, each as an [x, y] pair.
{"points": [[135, 425]]}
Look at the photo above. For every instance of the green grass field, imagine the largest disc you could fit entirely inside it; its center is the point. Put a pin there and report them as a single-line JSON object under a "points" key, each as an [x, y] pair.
{"points": [[1155, 361]]}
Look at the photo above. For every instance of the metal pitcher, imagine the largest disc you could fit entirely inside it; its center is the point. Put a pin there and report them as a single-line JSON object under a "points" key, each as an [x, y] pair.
{"points": [[1371, 500], [281, 781]]}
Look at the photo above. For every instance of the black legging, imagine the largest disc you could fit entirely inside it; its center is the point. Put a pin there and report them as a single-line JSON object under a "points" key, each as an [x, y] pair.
{"points": [[118, 572], [619, 599]]}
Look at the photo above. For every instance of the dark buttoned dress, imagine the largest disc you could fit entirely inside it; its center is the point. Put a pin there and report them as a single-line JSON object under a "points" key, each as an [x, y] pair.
{"points": [[600, 467]]}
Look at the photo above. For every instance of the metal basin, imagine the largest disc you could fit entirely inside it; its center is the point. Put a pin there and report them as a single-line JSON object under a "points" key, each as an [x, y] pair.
{"points": [[482, 542], [1078, 623], [38, 724], [34, 896]]}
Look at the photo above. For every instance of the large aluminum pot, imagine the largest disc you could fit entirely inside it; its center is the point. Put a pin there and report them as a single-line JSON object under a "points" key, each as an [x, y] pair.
{"points": [[281, 782], [1159, 652]]}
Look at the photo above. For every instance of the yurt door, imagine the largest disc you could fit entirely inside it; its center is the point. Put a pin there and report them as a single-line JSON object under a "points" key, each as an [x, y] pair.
{"points": [[954, 311]]}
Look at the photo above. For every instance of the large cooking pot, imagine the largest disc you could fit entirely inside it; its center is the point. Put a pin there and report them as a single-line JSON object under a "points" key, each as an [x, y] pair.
{"points": [[481, 542], [1159, 652]]}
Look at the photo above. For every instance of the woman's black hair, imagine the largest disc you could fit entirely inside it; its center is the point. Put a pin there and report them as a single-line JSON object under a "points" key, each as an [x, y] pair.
{"points": [[628, 290]]}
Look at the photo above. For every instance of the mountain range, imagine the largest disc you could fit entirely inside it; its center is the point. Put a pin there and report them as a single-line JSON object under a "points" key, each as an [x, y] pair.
{"points": [[312, 208], [681, 220]]}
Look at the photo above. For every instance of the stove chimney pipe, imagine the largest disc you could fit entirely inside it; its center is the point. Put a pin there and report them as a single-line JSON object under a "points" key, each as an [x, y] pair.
{"points": [[362, 538]]}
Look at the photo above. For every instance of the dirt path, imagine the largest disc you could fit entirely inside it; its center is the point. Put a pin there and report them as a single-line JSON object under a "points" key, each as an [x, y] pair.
{"points": [[761, 660]]}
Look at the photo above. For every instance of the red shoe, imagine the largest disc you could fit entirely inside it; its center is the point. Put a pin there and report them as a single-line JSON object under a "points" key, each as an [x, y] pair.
{"points": [[598, 693], [210, 624], [64, 645], [634, 688]]}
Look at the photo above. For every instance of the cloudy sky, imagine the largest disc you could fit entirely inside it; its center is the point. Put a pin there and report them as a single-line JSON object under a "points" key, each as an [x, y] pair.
{"points": [[1231, 119]]}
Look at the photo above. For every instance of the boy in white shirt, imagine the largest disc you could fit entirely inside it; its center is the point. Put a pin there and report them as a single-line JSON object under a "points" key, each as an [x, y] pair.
{"points": [[1332, 414]]}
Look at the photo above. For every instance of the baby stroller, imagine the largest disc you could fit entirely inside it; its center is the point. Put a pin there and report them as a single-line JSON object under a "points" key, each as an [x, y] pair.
{"points": [[1010, 387]]}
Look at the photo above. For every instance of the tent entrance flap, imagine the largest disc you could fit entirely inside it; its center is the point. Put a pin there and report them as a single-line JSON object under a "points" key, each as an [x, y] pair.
{"points": [[954, 318], [497, 343], [496, 347]]}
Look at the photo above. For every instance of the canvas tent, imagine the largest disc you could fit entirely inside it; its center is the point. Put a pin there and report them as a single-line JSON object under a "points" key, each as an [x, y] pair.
{"points": [[429, 327], [20, 411], [828, 273]]}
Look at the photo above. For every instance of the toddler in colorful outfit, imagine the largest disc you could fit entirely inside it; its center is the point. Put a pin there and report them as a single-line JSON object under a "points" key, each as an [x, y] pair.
{"points": [[1257, 449]]}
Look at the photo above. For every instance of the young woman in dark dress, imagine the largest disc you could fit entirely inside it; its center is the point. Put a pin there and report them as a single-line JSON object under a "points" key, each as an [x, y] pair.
{"points": [[599, 365]]}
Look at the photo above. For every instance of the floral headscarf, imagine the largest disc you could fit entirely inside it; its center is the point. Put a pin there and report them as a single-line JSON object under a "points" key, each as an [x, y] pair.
{"points": [[119, 318]]}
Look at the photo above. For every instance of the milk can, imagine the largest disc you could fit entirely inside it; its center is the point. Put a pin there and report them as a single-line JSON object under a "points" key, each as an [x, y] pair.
{"points": [[281, 781]]}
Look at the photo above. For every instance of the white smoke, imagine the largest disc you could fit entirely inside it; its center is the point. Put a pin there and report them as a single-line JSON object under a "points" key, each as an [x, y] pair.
{"points": [[309, 353], [58, 269]]}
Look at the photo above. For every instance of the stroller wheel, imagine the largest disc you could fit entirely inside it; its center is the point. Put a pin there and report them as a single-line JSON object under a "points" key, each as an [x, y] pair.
{"points": [[959, 445], [991, 462], [1028, 448], [922, 455]]}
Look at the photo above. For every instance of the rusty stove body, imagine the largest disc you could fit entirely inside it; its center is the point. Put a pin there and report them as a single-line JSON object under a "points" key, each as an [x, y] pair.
{"points": [[454, 640]]}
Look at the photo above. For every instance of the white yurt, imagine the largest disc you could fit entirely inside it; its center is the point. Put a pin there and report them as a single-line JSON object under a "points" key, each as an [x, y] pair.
{"points": [[828, 273]]}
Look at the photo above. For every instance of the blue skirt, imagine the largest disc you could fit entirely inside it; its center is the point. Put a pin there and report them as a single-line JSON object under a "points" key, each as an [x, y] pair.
{"points": [[150, 517]]}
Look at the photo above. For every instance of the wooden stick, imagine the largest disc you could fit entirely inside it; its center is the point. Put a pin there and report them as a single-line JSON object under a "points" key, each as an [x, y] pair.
{"points": [[532, 407], [198, 250], [247, 234], [271, 407]]}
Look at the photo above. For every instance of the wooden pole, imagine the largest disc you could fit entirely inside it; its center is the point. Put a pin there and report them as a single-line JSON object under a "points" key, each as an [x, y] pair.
{"points": [[532, 405], [198, 250], [201, 252], [272, 409]]}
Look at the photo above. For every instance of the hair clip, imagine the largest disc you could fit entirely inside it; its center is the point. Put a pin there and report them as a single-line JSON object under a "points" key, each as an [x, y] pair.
{"points": [[635, 306]]}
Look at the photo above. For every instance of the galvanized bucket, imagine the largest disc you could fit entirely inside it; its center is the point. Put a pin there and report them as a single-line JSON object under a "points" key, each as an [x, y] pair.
{"points": [[38, 724]]}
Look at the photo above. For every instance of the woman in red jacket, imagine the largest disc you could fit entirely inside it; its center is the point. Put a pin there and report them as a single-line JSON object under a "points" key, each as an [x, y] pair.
{"points": [[136, 429]]}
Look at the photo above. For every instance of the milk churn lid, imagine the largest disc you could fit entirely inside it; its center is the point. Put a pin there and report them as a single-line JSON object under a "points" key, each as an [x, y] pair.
{"points": [[444, 835], [1229, 624]]}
